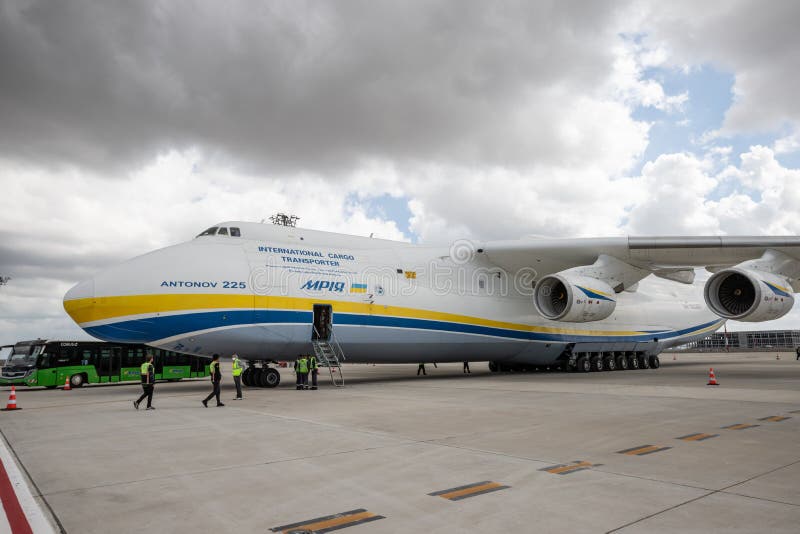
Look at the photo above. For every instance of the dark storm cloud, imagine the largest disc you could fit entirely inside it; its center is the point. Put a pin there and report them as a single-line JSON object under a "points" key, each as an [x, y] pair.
{"points": [[286, 84]]}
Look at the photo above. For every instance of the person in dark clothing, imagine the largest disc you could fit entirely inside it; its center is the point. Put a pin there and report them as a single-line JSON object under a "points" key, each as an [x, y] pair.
{"points": [[148, 382], [798, 353], [313, 368], [466, 368], [421, 369], [216, 378]]}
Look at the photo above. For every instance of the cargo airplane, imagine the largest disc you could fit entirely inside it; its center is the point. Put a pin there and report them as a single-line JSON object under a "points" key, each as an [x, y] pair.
{"points": [[270, 292]]}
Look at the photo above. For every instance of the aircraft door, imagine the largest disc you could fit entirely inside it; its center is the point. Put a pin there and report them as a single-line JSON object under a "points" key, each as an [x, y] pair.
{"points": [[323, 320]]}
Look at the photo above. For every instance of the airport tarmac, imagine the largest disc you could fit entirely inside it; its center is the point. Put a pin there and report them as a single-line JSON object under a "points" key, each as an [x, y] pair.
{"points": [[633, 451]]}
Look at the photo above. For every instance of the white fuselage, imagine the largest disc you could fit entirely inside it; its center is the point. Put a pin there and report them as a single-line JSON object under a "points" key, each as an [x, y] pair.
{"points": [[390, 302]]}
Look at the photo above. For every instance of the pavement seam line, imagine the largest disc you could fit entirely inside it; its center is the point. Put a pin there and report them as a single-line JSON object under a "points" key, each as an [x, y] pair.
{"points": [[721, 490]]}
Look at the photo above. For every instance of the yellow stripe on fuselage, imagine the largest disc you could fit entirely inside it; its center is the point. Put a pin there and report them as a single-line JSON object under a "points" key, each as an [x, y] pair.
{"points": [[120, 307]]}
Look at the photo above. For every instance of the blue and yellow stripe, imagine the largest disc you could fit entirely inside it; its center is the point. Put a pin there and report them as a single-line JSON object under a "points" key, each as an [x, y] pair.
{"points": [[167, 315]]}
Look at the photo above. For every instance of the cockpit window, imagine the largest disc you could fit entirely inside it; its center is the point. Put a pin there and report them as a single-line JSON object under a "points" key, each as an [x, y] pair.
{"points": [[210, 231], [235, 232], [223, 231]]}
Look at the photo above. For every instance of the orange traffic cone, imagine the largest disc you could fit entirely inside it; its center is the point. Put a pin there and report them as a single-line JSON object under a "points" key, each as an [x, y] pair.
{"points": [[67, 387], [712, 380], [12, 401]]}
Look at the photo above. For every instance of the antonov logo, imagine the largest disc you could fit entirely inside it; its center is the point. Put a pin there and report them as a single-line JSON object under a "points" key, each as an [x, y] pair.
{"points": [[321, 285]]}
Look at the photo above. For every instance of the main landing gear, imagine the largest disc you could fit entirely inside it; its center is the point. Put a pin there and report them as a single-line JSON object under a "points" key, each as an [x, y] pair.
{"points": [[260, 377], [585, 362]]}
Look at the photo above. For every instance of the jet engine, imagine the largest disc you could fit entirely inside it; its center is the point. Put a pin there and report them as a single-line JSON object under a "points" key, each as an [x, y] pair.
{"points": [[748, 295], [573, 298]]}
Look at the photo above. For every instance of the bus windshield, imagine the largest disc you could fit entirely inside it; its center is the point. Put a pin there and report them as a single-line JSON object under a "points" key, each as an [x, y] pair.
{"points": [[24, 355]]}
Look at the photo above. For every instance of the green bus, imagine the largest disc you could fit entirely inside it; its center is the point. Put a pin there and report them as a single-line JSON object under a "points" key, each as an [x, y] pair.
{"points": [[51, 363]]}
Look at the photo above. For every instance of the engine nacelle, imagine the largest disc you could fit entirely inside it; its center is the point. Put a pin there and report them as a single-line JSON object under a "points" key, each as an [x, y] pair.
{"points": [[748, 295], [573, 298]]}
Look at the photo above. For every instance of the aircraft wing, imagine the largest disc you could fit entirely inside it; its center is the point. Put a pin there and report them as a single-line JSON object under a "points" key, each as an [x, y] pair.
{"points": [[664, 256]]}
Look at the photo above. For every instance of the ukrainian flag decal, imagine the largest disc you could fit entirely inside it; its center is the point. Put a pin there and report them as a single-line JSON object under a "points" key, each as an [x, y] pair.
{"points": [[358, 288]]}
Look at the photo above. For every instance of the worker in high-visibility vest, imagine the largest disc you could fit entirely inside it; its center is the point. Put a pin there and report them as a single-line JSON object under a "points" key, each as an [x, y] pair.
{"points": [[236, 372], [301, 368], [216, 378], [313, 369], [148, 382]]}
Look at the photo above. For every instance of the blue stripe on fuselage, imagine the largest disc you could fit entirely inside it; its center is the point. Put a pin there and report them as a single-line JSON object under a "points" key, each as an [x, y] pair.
{"points": [[154, 328]]}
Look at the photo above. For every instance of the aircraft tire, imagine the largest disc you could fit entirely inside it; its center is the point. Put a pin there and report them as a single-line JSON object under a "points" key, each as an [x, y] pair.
{"points": [[260, 378], [493, 367], [597, 364], [654, 362], [270, 378], [622, 363], [633, 362], [246, 377], [609, 363], [644, 363], [583, 365]]}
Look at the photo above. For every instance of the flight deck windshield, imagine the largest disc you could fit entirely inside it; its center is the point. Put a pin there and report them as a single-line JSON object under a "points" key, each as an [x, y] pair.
{"points": [[24, 355]]}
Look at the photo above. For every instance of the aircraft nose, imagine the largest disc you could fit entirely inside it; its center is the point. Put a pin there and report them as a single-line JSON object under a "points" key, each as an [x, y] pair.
{"points": [[79, 301]]}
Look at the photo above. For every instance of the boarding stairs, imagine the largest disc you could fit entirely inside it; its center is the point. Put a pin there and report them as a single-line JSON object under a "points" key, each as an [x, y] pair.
{"points": [[329, 354]]}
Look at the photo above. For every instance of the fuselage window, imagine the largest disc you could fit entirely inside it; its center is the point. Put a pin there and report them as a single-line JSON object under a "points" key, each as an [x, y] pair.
{"points": [[210, 231], [235, 232], [223, 231]]}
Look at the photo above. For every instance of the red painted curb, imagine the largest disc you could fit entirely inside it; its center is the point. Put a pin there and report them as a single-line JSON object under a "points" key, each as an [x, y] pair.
{"points": [[14, 514]]}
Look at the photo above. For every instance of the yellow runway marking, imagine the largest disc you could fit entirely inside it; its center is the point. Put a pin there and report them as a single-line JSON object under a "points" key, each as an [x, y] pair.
{"points": [[471, 490], [565, 469], [739, 426], [697, 437], [775, 418], [641, 450], [330, 522]]}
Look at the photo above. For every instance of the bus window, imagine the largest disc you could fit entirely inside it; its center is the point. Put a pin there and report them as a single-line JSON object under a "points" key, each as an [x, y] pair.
{"points": [[134, 357], [24, 355], [210, 231], [223, 231], [235, 232], [86, 357]]}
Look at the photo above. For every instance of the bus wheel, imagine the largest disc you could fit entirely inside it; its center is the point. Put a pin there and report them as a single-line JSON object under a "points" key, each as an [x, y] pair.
{"points": [[270, 377], [77, 381]]}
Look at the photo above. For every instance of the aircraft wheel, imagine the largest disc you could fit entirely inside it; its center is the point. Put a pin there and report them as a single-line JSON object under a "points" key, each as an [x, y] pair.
{"points": [[609, 363], [633, 362], [644, 363], [597, 363], [259, 377], [246, 377], [270, 377], [583, 365], [654, 362], [622, 363], [493, 367]]}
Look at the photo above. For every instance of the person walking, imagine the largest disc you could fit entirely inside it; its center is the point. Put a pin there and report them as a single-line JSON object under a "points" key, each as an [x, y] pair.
{"points": [[216, 378], [421, 369], [148, 382], [466, 368], [798, 353], [236, 373], [313, 368]]}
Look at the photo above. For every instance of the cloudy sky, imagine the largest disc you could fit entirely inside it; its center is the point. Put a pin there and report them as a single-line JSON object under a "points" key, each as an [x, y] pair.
{"points": [[127, 126]]}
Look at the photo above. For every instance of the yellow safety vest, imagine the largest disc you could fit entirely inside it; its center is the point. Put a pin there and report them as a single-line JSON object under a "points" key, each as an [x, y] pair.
{"points": [[312, 363], [237, 369], [145, 369], [302, 365]]}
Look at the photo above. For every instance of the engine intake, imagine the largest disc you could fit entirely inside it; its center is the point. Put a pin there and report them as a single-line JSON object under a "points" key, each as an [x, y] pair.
{"points": [[571, 298], [748, 295]]}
